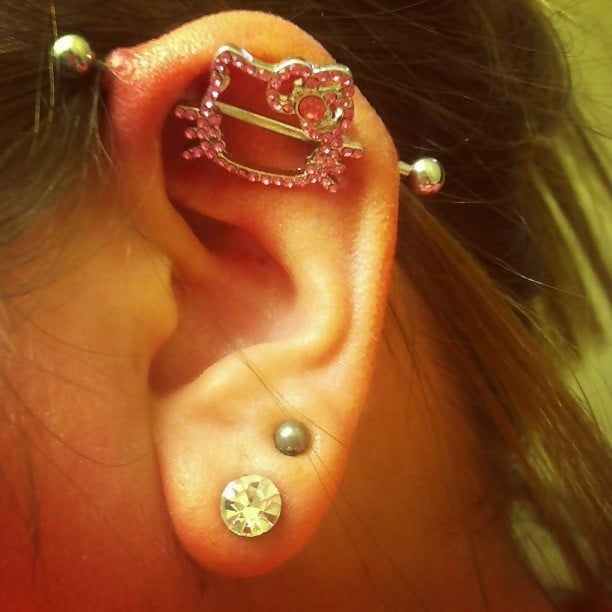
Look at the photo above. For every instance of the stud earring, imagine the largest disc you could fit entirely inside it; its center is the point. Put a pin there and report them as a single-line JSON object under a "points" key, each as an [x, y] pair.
{"points": [[250, 505], [318, 98], [291, 438]]}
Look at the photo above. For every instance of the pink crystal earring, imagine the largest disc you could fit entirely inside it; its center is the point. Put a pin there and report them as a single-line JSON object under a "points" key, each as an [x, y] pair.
{"points": [[318, 98]]}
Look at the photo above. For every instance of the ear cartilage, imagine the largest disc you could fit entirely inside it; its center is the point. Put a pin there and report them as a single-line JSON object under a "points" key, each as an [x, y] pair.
{"points": [[322, 99]]}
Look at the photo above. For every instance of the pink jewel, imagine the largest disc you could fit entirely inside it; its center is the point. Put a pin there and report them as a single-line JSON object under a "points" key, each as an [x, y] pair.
{"points": [[312, 108], [288, 108], [312, 82]]}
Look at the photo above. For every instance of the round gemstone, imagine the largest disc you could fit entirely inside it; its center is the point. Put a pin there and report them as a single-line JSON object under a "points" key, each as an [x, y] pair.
{"points": [[312, 108], [250, 505]]}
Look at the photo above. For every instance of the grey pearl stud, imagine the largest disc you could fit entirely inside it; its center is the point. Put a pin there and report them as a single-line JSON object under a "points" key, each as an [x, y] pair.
{"points": [[292, 438], [74, 55]]}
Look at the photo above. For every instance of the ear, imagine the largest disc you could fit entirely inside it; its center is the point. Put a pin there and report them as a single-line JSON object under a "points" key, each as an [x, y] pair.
{"points": [[280, 292]]}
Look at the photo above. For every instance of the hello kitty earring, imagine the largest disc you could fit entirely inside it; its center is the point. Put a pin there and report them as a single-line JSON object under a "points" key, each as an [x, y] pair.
{"points": [[318, 98]]}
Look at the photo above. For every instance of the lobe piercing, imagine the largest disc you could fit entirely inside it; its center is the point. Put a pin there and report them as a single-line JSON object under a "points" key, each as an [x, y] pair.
{"points": [[250, 505], [291, 438]]}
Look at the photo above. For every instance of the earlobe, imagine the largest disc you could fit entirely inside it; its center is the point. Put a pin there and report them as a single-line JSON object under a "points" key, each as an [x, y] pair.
{"points": [[280, 300]]}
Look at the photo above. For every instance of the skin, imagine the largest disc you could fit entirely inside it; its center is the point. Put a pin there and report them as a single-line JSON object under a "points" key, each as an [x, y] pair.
{"points": [[136, 407]]}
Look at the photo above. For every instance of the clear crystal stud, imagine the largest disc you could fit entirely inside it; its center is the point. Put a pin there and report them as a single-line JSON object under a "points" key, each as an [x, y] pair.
{"points": [[250, 505], [291, 438]]}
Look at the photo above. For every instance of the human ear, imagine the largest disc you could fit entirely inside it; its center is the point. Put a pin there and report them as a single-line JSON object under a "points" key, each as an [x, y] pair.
{"points": [[280, 292]]}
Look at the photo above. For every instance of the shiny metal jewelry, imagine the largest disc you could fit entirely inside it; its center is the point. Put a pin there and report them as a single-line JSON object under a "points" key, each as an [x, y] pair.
{"points": [[291, 438], [319, 98], [73, 55], [250, 505]]}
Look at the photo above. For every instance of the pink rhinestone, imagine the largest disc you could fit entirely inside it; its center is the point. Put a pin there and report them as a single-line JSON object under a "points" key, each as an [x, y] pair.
{"points": [[313, 179], [275, 83], [196, 152], [312, 82], [252, 176], [310, 168], [210, 154], [277, 107], [214, 93], [345, 124], [238, 63], [219, 147], [326, 137], [278, 181], [264, 74], [209, 104], [250, 70], [336, 142], [271, 95], [205, 145], [358, 153], [348, 91], [300, 181], [312, 108], [288, 108], [179, 112], [347, 152], [336, 78], [225, 58], [296, 70], [190, 133], [265, 180], [332, 188], [215, 120], [349, 113], [187, 155], [243, 173], [289, 183], [201, 133], [344, 103]]}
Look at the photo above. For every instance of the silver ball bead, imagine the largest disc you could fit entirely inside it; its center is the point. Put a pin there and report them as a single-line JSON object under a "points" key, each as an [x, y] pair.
{"points": [[291, 438], [427, 176], [74, 55]]}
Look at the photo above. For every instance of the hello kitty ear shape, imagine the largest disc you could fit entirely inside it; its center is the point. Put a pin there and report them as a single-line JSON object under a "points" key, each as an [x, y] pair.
{"points": [[319, 97]]}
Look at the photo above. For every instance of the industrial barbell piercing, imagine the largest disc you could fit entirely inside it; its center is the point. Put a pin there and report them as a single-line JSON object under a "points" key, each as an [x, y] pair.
{"points": [[321, 97]]}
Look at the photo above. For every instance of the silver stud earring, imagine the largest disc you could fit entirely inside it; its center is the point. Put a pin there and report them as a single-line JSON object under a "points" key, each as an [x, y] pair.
{"points": [[291, 438], [250, 505]]}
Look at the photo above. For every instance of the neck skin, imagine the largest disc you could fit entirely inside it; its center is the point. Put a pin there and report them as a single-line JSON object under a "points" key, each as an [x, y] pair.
{"points": [[404, 534]]}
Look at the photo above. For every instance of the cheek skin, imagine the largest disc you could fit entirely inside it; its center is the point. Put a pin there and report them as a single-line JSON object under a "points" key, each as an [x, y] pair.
{"points": [[81, 499]]}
